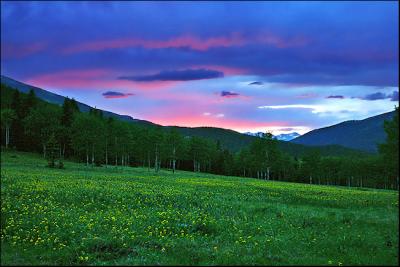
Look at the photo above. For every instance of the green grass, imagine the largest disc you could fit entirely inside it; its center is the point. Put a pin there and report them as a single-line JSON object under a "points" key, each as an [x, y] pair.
{"points": [[106, 216]]}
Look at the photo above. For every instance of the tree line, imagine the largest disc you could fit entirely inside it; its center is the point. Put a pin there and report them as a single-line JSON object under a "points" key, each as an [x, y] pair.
{"points": [[31, 124]]}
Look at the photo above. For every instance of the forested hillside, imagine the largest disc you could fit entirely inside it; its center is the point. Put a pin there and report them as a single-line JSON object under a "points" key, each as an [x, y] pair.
{"points": [[31, 124], [59, 100], [358, 134], [228, 139]]}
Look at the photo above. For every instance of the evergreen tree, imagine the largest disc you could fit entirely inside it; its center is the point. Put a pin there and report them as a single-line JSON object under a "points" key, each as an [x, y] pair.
{"points": [[52, 150], [67, 117], [390, 149], [311, 166], [29, 103], [41, 123]]}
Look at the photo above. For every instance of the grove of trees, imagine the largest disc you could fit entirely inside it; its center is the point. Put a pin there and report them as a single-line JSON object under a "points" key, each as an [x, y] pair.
{"points": [[30, 124]]}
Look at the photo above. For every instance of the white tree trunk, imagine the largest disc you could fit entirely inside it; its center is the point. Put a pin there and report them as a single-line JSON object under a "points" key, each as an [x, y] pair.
{"points": [[174, 160], [156, 162], [148, 161], [106, 153], [7, 135], [87, 157], [92, 155]]}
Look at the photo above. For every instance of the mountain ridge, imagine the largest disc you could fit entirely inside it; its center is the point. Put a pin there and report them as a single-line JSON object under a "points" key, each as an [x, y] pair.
{"points": [[230, 139], [363, 134], [59, 99], [281, 137]]}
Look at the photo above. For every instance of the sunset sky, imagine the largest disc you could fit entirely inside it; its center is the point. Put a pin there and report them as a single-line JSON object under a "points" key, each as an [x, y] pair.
{"points": [[246, 66]]}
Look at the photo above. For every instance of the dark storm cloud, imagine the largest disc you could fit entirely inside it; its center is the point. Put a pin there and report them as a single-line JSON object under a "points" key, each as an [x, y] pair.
{"points": [[379, 95], [229, 94], [176, 75], [375, 96], [304, 44], [256, 83], [394, 96], [113, 94], [336, 96]]}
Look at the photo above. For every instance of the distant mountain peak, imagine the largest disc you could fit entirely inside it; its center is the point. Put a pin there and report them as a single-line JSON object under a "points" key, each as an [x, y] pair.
{"points": [[232, 140], [287, 137], [281, 137]]}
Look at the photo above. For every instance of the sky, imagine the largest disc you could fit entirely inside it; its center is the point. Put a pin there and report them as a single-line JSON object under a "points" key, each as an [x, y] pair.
{"points": [[248, 66]]}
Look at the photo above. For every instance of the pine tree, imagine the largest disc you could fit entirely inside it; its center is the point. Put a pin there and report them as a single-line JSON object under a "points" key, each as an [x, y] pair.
{"points": [[52, 150], [390, 149]]}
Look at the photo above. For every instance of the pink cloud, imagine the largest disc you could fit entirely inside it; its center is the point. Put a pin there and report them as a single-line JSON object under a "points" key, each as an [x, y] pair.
{"points": [[70, 78], [199, 120], [182, 41], [196, 43], [280, 42], [20, 51], [202, 113], [228, 71]]}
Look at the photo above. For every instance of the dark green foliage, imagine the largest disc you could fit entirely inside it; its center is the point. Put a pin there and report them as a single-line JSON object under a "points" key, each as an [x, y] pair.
{"points": [[40, 124], [229, 139], [101, 140], [266, 156], [69, 108], [390, 149], [52, 151], [311, 166], [7, 117], [59, 100], [357, 134]]}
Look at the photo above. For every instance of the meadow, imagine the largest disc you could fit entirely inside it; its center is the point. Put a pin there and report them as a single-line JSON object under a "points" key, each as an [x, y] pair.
{"points": [[119, 216]]}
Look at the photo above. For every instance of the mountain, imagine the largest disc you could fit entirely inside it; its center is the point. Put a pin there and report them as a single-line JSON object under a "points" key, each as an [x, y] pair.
{"points": [[229, 139], [258, 134], [59, 100], [281, 137], [356, 134], [287, 137]]}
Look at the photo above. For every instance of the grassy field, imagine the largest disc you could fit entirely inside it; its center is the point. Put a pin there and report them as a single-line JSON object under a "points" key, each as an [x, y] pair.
{"points": [[105, 216]]}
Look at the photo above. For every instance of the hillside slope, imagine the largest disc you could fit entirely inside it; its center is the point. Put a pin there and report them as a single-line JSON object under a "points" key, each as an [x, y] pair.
{"points": [[59, 100], [229, 139], [357, 134]]}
